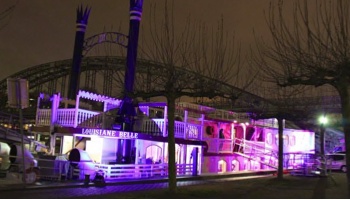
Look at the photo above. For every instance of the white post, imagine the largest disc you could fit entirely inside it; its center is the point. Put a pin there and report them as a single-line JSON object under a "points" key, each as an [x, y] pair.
{"points": [[165, 134], [147, 111], [37, 108], [54, 108], [184, 149], [233, 136], [218, 140], [104, 115], [185, 121], [104, 106], [244, 135], [76, 111], [202, 127]]}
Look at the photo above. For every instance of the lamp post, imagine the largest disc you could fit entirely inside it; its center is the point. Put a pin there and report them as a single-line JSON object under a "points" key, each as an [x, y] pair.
{"points": [[323, 121]]}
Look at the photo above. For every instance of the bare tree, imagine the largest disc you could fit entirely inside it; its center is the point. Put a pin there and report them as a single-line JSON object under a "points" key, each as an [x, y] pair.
{"points": [[195, 63], [5, 16], [286, 107], [310, 47]]}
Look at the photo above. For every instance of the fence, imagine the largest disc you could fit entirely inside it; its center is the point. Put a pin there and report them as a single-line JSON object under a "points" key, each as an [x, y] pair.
{"points": [[141, 170], [68, 117], [57, 168], [182, 129]]}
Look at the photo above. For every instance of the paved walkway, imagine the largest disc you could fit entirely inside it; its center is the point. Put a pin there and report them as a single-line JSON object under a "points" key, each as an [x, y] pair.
{"points": [[205, 186]]}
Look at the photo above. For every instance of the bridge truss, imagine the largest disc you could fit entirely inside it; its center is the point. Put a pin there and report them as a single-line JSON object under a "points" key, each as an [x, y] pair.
{"points": [[105, 75]]}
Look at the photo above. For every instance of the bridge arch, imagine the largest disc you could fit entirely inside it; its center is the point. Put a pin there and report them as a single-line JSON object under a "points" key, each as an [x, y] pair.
{"points": [[105, 37], [105, 74]]}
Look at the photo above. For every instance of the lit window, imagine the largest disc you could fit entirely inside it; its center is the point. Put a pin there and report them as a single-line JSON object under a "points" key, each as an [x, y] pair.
{"points": [[235, 165], [269, 139], [153, 153], [285, 140], [292, 140], [222, 166]]}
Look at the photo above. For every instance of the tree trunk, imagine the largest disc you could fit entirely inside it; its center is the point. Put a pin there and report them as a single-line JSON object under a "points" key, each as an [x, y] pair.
{"points": [[280, 148], [171, 145], [345, 103]]}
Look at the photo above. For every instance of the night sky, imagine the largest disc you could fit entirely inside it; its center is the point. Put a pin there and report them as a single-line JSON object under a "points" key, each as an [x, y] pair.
{"points": [[42, 31]]}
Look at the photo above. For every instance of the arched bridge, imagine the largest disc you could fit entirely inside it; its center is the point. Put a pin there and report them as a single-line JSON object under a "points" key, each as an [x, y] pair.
{"points": [[105, 75]]}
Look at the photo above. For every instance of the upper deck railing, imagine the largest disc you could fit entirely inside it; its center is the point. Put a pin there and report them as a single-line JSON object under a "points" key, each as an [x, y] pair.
{"points": [[71, 117], [67, 117]]}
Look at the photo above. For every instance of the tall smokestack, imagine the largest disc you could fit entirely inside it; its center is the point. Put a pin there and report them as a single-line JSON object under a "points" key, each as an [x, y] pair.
{"points": [[126, 114], [81, 24]]}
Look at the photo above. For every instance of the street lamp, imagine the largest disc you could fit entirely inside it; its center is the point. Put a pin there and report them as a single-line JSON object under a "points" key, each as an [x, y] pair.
{"points": [[323, 120]]}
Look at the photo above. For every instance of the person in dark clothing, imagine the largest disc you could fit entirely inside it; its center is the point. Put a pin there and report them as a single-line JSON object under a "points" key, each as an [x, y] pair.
{"points": [[221, 134]]}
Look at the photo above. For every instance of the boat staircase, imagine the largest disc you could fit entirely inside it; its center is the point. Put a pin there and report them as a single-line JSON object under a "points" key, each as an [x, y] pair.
{"points": [[256, 151], [297, 163]]}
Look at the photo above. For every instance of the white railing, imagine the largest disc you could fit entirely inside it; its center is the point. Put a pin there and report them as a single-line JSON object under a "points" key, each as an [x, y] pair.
{"points": [[43, 117], [194, 110], [118, 171], [193, 131], [256, 147], [84, 115], [223, 114], [191, 114], [67, 117], [154, 127], [216, 145], [52, 168], [133, 171], [179, 129], [256, 150], [182, 129]]}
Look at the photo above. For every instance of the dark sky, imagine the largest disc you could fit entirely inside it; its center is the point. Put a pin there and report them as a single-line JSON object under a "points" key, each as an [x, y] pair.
{"points": [[42, 31]]}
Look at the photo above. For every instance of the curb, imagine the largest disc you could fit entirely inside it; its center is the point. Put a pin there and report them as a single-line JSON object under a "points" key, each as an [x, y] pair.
{"points": [[138, 181]]}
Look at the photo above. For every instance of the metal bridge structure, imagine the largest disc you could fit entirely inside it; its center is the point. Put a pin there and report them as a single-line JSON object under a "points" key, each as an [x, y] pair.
{"points": [[104, 74]]}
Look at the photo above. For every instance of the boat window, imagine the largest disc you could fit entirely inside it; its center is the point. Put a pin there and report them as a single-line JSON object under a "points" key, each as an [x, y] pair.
{"points": [[235, 165], [222, 166], [292, 140], [153, 153], [269, 138], [285, 140]]}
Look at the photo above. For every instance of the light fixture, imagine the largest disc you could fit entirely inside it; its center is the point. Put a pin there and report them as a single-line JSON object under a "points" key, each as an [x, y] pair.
{"points": [[323, 120]]}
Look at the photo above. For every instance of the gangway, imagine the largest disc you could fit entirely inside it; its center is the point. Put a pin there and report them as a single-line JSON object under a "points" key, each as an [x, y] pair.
{"points": [[298, 163], [8, 134]]}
